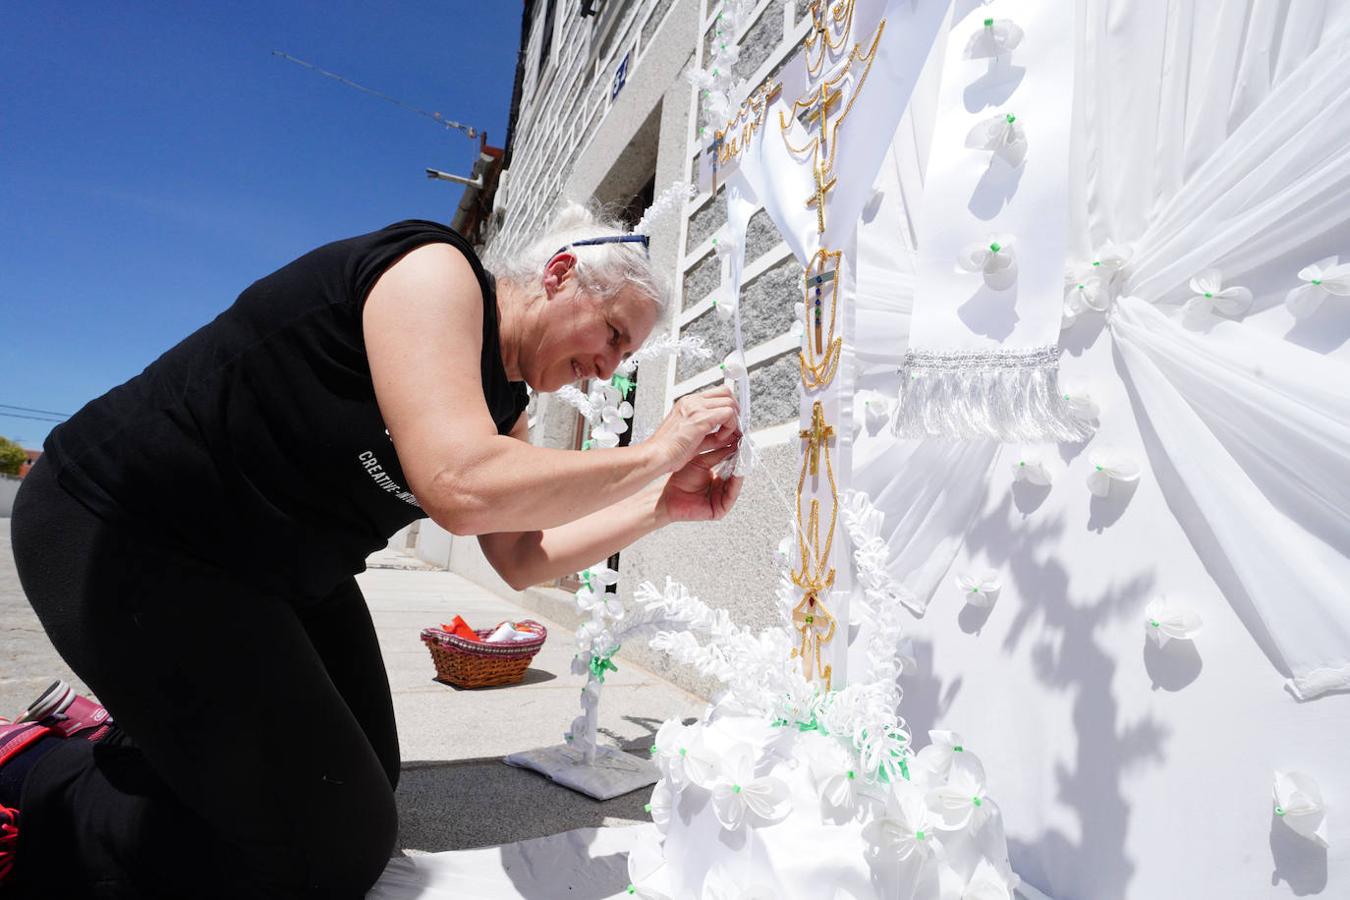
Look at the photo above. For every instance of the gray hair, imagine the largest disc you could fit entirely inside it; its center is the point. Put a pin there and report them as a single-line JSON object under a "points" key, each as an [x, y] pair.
{"points": [[602, 270]]}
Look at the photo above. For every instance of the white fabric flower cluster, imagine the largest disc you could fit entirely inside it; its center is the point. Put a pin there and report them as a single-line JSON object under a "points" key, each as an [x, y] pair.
{"points": [[1212, 299], [1092, 286], [944, 798], [716, 81], [994, 257]]}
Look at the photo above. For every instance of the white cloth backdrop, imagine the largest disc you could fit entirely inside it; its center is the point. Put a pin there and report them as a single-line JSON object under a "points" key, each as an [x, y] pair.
{"points": [[1210, 134]]}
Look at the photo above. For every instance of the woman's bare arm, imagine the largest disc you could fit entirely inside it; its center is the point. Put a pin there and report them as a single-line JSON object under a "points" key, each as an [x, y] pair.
{"points": [[423, 325]]}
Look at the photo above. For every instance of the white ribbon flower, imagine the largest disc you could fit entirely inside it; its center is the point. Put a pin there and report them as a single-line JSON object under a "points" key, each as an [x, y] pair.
{"points": [[1080, 404], [1298, 803], [1165, 623], [600, 604], [987, 883], [1003, 135], [798, 327], [644, 861], [877, 411], [1087, 293], [1031, 468], [724, 307], [1211, 296], [998, 36], [682, 756], [961, 802], [733, 367], [882, 746], [659, 806], [994, 258], [907, 827], [1110, 467], [1320, 280], [980, 588], [589, 633], [736, 791], [937, 757], [836, 779]]}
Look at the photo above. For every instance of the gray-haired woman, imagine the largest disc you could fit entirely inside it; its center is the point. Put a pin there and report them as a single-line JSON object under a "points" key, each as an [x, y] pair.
{"points": [[189, 542]]}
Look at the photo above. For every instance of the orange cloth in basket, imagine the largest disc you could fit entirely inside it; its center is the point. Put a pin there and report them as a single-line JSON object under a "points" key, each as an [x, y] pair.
{"points": [[460, 628]]}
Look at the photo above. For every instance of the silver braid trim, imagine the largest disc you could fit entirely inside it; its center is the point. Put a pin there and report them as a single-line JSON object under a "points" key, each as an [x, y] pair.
{"points": [[1007, 395]]}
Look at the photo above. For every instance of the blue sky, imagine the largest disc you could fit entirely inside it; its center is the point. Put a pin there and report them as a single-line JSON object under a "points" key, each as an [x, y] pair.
{"points": [[156, 158]]}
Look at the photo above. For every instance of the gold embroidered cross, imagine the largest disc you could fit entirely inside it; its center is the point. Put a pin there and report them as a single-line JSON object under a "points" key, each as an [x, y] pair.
{"points": [[818, 198], [816, 626], [816, 436]]}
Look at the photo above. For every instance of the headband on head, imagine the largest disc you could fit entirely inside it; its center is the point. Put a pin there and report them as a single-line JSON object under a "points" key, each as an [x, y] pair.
{"points": [[611, 239]]}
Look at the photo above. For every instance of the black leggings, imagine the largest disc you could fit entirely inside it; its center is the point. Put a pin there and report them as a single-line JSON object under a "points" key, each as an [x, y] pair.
{"points": [[255, 753]]}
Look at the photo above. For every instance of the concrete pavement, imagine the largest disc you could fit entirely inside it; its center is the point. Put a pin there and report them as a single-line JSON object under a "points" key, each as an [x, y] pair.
{"points": [[455, 792]]}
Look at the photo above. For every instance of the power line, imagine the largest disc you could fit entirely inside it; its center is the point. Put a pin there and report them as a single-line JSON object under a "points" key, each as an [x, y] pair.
{"points": [[29, 409], [10, 415], [448, 123]]}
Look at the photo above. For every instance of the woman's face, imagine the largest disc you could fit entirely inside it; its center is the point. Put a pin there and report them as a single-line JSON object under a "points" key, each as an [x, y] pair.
{"points": [[581, 336]]}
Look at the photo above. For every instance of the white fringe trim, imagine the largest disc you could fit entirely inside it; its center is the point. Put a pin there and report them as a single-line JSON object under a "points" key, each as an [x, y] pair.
{"points": [[1319, 681], [1008, 395]]}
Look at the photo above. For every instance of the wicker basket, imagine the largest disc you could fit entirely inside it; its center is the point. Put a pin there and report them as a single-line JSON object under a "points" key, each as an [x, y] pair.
{"points": [[474, 664]]}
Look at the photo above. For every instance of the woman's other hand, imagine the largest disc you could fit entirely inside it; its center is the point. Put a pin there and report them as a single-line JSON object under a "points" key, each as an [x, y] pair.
{"points": [[694, 493], [697, 423]]}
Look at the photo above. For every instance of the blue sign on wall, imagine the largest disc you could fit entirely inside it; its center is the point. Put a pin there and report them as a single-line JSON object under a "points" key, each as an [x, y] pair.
{"points": [[620, 76]]}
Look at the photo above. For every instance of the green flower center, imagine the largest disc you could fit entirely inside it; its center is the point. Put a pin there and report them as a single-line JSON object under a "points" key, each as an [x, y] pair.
{"points": [[1317, 281], [849, 774], [1208, 295], [1096, 262], [988, 23], [654, 751], [632, 889], [735, 788], [958, 749], [1021, 464], [1155, 623], [1011, 118], [995, 247], [976, 800], [1279, 810], [646, 807], [919, 835], [1098, 468], [684, 751]]}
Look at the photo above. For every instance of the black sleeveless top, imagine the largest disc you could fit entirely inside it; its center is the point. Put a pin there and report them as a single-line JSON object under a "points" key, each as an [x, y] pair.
{"points": [[256, 443]]}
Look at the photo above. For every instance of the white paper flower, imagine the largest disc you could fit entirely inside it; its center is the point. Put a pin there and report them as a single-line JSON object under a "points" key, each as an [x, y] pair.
{"points": [[1087, 293], [994, 258], [1003, 135], [998, 36], [937, 757], [600, 604], [1031, 468], [835, 778], [1110, 468], [599, 576], [1212, 297], [1080, 404], [877, 412], [644, 862], [737, 793], [1298, 803], [980, 589], [590, 631], [907, 827], [733, 367], [682, 756], [1320, 280], [660, 804], [961, 801], [987, 883], [724, 307], [1165, 623]]}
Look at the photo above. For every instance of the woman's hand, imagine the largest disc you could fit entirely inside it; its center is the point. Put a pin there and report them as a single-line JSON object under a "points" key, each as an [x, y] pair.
{"points": [[695, 494], [697, 423]]}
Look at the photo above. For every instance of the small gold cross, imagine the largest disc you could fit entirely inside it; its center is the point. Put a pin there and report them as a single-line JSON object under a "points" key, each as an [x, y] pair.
{"points": [[816, 436]]}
